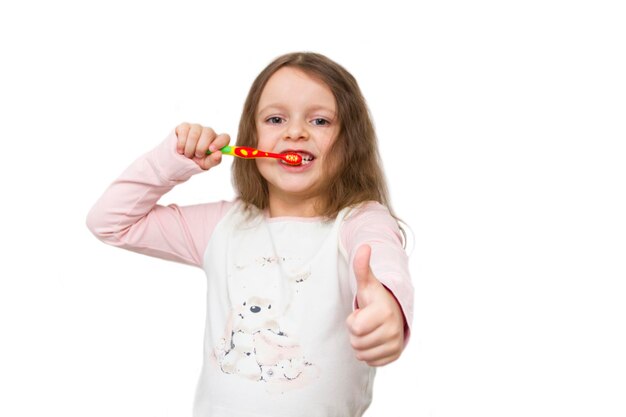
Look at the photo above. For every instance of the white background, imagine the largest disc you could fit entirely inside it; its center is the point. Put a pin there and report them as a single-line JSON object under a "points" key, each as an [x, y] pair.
{"points": [[502, 129]]}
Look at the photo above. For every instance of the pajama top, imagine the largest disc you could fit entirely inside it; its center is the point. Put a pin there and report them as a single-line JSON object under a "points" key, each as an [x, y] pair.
{"points": [[279, 290]]}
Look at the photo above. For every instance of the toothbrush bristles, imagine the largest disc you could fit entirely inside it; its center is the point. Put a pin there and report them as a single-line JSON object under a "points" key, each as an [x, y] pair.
{"points": [[292, 158]]}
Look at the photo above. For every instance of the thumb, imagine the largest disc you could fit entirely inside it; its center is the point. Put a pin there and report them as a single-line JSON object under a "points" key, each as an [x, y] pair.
{"points": [[209, 161], [362, 264], [363, 273]]}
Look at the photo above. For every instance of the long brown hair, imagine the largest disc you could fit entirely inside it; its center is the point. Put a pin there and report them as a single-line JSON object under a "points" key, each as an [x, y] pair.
{"points": [[357, 175]]}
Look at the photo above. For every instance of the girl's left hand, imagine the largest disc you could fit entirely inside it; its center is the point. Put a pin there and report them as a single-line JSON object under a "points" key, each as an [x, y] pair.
{"points": [[377, 326]]}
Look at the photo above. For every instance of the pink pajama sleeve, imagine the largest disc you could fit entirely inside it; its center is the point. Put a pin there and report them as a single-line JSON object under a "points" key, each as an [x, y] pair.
{"points": [[127, 214], [372, 224]]}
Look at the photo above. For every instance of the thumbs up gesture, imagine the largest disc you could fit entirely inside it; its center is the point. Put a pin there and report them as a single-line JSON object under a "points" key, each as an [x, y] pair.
{"points": [[377, 326]]}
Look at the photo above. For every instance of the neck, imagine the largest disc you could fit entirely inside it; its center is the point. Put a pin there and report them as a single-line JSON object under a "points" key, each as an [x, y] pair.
{"points": [[293, 207]]}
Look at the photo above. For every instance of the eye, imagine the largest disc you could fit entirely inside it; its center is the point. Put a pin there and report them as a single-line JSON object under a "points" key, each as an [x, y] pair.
{"points": [[320, 122], [274, 120]]}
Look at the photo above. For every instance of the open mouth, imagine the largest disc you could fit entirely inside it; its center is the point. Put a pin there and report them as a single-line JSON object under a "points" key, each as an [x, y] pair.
{"points": [[307, 157]]}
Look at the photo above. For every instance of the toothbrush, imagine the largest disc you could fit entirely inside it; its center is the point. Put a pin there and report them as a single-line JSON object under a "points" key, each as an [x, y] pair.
{"points": [[246, 152]]}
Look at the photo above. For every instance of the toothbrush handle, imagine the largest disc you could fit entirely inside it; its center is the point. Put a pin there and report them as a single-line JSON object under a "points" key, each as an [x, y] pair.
{"points": [[226, 150], [244, 152]]}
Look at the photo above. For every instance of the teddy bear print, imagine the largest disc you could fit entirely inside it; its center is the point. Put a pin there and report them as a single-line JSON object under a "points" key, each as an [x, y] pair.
{"points": [[255, 347]]}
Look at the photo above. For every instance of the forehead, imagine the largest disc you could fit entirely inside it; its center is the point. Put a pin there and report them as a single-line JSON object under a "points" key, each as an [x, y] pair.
{"points": [[293, 86]]}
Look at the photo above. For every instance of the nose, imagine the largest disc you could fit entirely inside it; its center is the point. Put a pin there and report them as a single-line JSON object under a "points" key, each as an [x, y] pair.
{"points": [[296, 129]]}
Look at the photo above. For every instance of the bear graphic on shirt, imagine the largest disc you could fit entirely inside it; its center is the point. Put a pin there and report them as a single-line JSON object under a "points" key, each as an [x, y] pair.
{"points": [[255, 347]]}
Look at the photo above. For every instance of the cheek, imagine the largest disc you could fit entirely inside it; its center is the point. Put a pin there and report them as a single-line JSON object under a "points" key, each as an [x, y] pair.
{"points": [[263, 141], [327, 145], [263, 165], [332, 160]]}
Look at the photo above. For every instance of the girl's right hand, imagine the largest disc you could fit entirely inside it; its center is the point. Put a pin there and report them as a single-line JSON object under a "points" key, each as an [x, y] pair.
{"points": [[194, 140]]}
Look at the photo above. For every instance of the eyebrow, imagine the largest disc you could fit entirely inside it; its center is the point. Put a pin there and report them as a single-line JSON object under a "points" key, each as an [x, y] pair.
{"points": [[280, 107]]}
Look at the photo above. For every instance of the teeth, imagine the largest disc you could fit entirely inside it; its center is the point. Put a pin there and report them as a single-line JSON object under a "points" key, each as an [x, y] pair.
{"points": [[306, 159]]}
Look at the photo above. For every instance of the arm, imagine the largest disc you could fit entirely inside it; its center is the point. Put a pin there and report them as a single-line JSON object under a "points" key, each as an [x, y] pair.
{"points": [[127, 214], [381, 284]]}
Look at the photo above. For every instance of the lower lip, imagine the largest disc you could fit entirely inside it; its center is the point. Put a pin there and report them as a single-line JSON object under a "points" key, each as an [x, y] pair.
{"points": [[295, 168]]}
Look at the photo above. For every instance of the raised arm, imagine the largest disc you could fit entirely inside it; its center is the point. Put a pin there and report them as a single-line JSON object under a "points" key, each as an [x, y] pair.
{"points": [[127, 214], [380, 325]]}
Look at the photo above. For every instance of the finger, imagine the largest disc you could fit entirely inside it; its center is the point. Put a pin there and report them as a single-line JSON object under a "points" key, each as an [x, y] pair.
{"points": [[215, 158], [182, 130], [363, 321], [192, 139], [376, 337], [378, 354], [206, 137], [209, 161], [384, 361], [220, 141]]}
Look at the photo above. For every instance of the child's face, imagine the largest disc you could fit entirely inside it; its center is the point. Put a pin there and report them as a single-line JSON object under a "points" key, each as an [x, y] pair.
{"points": [[295, 113]]}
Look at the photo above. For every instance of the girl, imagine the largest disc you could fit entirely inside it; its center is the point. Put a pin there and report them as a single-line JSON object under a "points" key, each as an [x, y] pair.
{"points": [[308, 287]]}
